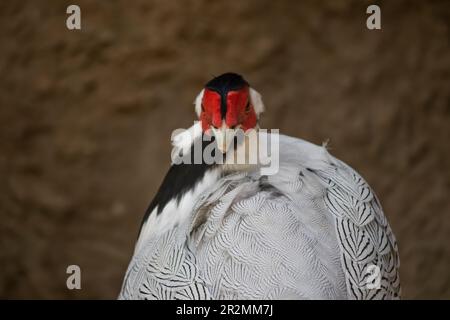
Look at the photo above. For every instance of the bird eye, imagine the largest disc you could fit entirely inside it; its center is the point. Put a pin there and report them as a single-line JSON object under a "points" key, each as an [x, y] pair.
{"points": [[247, 107]]}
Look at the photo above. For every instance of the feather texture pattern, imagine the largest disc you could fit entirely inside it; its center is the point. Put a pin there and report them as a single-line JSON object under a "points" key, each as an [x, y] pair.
{"points": [[314, 230]]}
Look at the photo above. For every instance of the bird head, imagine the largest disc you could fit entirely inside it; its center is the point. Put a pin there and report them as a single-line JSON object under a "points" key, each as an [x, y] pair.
{"points": [[228, 104]]}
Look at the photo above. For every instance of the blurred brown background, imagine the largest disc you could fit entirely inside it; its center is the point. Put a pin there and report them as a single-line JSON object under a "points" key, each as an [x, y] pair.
{"points": [[86, 118]]}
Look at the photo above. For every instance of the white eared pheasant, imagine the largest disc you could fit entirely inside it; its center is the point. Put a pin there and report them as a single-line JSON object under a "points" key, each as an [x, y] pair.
{"points": [[313, 229]]}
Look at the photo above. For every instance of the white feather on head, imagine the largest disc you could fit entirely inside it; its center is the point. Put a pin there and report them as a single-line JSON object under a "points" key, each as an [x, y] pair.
{"points": [[256, 99]]}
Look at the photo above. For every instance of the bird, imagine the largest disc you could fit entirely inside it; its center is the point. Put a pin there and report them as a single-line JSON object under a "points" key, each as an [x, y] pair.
{"points": [[311, 229]]}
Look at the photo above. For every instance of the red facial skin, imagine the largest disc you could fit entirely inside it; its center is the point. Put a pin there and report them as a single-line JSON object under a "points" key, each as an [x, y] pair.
{"points": [[237, 111]]}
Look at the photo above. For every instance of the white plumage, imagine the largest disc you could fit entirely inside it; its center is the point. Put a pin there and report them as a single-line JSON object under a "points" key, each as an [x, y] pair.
{"points": [[310, 231], [314, 230]]}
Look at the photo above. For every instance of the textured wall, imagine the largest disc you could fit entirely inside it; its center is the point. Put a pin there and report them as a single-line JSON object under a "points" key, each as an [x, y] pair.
{"points": [[86, 117]]}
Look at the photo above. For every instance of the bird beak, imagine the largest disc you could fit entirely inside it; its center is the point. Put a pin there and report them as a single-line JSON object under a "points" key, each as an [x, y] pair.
{"points": [[224, 137]]}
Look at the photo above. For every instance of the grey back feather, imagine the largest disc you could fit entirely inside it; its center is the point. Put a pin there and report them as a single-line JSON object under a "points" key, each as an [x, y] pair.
{"points": [[315, 230]]}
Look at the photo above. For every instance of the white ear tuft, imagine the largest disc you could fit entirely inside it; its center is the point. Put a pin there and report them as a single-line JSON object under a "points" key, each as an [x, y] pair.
{"points": [[257, 102], [198, 103]]}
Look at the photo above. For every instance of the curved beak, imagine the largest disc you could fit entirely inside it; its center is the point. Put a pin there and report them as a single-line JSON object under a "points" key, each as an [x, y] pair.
{"points": [[224, 137]]}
